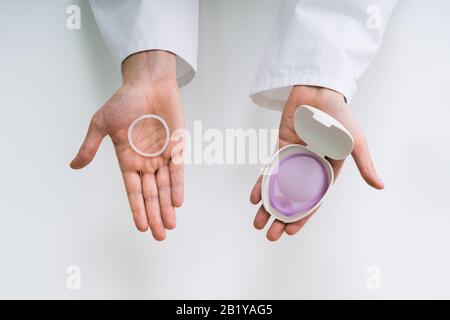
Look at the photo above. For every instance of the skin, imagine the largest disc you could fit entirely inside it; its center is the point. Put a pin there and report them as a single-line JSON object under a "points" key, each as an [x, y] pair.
{"points": [[154, 186], [334, 104]]}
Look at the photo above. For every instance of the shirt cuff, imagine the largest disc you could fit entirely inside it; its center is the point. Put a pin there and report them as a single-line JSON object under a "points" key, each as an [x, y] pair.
{"points": [[186, 64], [272, 88]]}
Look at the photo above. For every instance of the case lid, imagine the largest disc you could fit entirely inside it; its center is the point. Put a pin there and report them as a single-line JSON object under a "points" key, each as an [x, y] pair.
{"points": [[322, 133]]}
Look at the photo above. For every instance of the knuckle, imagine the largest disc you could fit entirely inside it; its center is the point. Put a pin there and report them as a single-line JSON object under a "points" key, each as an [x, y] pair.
{"points": [[167, 210], [151, 197], [154, 226], [87, 151], [132, 194], [365, 170], [135, 210], [96, 121], [359, 140], [164, 188]]}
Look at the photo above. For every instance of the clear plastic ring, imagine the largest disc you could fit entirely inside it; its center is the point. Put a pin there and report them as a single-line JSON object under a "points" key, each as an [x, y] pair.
{"points": [[130, 139]]}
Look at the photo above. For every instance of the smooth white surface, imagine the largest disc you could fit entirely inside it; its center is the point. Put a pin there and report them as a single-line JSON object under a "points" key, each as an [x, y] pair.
{"points": [[53, 79], [322, 133]]}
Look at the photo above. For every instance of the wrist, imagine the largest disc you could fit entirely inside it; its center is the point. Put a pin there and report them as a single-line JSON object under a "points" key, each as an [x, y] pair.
{"points": [[313, 93], [318, 97], [144, 68]]}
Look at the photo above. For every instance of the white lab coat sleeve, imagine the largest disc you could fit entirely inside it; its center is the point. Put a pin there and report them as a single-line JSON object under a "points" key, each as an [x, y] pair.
{"points": [[324, 43], [139, 25]]}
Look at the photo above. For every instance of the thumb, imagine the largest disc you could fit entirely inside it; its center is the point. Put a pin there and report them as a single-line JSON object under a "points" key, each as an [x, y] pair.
{"points": [[363, 161], [90, 145]]}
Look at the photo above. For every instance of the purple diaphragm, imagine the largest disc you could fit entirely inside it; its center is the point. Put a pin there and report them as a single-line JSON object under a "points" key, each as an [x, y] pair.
{"points": [[298, 184]]}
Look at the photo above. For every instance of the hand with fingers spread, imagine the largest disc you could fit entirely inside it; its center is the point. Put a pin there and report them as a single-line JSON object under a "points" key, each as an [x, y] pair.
{"points": [[154, 185], [334, 104]]}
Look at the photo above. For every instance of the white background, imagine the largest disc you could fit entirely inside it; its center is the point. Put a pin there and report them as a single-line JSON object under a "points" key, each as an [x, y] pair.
{"points": [[52, 79]]}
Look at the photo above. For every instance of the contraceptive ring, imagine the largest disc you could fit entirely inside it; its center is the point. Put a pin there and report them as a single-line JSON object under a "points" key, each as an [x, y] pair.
{"points": [[133, 146]]}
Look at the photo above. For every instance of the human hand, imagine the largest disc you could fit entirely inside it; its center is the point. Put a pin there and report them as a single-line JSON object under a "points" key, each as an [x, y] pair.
{"points": [[154, 185], [334, 104]]}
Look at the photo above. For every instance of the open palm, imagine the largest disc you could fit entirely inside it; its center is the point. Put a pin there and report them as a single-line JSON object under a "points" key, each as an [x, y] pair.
{"points": [[154, 185], [334, 104]]}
